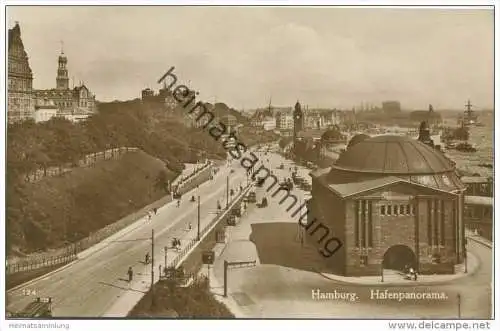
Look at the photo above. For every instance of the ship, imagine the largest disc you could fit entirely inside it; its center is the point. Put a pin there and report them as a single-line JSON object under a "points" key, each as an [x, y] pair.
{"points": [[469, 118]]}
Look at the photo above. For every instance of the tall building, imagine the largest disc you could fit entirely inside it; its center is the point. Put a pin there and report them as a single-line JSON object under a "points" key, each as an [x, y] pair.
{"points": [[21, 102], [284, 120], [74, 104]]}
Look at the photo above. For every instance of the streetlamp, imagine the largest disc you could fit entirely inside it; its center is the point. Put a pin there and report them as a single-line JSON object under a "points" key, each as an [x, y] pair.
{"points": [[382, 272]]}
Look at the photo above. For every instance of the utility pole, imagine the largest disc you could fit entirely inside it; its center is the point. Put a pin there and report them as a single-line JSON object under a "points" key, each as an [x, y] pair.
{"points": [[225, 278], [198, 236], [165, 249], [227, 192], [152, 265], [459, 298]]}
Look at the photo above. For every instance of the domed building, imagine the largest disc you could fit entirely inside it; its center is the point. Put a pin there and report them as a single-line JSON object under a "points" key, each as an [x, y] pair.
{"points": [[356, 139], [393, 202]]}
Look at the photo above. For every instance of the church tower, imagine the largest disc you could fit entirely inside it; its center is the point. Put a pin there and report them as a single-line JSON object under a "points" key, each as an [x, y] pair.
{"points": [[62, 79], [425, 134], [298, 120]]}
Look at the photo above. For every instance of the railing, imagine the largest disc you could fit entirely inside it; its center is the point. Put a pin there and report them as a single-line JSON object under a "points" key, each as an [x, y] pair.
{"points": [[87, 161]]}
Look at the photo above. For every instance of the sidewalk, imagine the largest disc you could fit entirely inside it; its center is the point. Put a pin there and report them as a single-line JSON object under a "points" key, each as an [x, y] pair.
{"points": [[217, 289], [477, 238], [392, 277]]}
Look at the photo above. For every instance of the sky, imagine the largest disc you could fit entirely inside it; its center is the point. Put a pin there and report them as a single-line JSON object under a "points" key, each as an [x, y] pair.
{"points": [[246, 56]]}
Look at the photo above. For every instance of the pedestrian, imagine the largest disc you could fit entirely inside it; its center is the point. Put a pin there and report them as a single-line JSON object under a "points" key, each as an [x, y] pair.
{"points": [[149, 215], [155, 210], [190, 226]]}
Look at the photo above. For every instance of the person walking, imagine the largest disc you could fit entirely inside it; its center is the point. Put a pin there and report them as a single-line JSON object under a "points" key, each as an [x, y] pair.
{"points": [[155, 210], [130, 273], [149, 216]]}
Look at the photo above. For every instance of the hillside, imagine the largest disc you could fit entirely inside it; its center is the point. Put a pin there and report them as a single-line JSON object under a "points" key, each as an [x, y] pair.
{"points": [[67, 208]]}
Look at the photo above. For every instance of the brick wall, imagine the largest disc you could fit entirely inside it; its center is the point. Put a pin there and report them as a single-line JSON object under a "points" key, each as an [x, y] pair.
{"points": [[388, 231]]}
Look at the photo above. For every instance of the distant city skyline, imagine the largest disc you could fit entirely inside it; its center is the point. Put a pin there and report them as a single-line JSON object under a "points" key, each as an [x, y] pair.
{"points": [[326, 58]]}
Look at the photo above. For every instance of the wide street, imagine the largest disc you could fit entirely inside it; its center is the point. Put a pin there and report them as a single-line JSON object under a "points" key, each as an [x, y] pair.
{"points": [[92, 284], [281, 284]]}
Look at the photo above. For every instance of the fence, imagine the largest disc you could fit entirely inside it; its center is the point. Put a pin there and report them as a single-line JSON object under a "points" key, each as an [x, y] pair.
{"points": [[88, 160], [69, 253]]}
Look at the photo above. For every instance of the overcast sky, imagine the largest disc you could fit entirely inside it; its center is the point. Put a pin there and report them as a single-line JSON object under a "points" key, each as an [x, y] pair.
{"points": [[329, 57]]}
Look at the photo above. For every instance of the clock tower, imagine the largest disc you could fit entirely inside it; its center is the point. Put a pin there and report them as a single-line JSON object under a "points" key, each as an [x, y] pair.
{"points": [[298, 120]]}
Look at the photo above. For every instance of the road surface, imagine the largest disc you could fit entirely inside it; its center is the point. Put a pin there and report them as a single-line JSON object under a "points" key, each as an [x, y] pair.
{"points": [[281, 285], [90, 286]]}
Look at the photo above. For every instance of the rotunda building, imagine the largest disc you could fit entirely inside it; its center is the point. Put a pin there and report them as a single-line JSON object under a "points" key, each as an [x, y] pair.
{"points": [[393, 202]]}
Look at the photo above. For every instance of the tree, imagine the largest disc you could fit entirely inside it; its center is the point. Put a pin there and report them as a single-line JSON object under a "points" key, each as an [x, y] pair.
{"points": [[161, 182]]}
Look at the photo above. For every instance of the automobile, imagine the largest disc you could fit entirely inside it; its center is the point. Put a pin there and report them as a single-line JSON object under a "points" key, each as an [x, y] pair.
{"points": [[282, 166], [177, 195]]}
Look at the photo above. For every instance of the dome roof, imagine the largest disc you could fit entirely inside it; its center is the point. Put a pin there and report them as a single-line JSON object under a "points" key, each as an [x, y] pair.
{"points": [[332, 134], [356, 139], [393, 155]]}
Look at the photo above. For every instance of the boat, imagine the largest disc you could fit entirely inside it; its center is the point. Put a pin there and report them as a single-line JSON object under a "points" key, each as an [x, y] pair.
{"points": [[466, 147]]}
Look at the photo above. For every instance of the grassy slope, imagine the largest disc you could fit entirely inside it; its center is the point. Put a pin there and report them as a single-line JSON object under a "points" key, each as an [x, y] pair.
{"points": [[86, 200]]}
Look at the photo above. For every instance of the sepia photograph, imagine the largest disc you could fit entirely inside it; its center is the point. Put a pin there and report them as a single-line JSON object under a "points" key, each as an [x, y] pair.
{"points": [[249, 162]]}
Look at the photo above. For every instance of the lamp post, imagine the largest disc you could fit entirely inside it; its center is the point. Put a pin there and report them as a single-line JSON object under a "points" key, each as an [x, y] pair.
{"points": [[152, 266], [459, 299], [382, 272]]}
